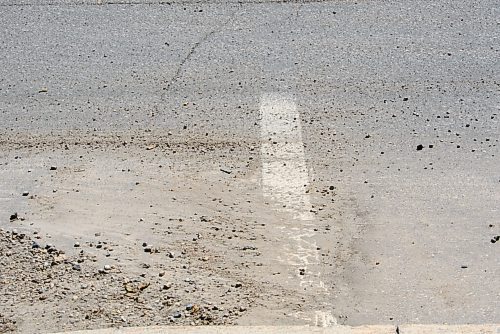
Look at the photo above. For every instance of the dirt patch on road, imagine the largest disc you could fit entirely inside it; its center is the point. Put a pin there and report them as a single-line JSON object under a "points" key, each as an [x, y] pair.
{"points": [[45, 289], [148, 232]]}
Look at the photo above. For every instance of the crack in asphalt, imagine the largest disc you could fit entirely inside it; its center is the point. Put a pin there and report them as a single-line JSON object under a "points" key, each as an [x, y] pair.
{"points": [[297, 11], [192, 50], [186, 58]]}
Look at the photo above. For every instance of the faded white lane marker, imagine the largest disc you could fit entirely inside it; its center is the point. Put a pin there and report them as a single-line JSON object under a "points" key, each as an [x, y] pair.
{"points": [[284, 170], [285, 180]]}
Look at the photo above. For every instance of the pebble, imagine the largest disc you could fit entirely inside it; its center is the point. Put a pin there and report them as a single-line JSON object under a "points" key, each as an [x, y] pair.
{"points": [[227, 171]]}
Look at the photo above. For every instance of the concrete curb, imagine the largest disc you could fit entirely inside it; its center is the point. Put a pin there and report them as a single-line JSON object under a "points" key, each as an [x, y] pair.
{"points": [[451, 329], [375, 329], [243, 329]]}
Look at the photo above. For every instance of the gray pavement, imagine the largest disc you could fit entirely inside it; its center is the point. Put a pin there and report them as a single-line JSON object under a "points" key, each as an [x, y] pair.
{"points": [[372, 80]]}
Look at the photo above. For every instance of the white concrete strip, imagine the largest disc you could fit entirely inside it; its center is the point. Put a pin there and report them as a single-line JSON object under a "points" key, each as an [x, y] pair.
{"points": [[285, 180], [373, 329]]}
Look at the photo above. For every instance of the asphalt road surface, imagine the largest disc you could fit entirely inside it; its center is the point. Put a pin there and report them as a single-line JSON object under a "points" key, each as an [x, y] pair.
{"points": [[372, 126]]}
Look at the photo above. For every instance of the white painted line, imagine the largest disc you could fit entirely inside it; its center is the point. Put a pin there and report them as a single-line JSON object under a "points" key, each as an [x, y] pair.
{"points": [[285, 180], [284, 170]]}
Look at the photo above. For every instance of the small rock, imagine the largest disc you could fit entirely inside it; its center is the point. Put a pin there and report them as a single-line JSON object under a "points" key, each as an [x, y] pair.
{"points": [[107, 267], [131, 288], [76, 244], [14, 216], [143, 285], [53, 167], [420, 147], [26, 193], [227, 171], [58, 259]]}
